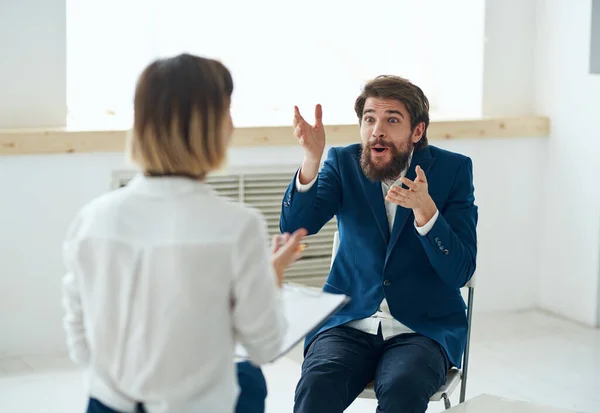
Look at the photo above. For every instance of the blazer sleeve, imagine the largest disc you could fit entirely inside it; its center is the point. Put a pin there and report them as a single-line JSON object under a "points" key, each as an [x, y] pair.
{"points": [[451, 244], [258, 318], [314, 208]]}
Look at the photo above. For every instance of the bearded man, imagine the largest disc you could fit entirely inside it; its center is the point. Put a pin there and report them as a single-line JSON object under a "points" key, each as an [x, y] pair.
{"points": [[407, 223]]}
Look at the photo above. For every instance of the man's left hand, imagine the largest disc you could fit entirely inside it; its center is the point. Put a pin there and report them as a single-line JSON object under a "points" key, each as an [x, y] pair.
{"points": [[416, 197]]}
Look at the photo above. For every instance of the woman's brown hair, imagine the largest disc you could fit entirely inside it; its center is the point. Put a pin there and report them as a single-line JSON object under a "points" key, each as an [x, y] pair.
{"points": [[180, 106]]}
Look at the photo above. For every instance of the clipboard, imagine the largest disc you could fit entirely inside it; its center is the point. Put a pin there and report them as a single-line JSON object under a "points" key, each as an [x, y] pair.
{"points": [[305, 309]]}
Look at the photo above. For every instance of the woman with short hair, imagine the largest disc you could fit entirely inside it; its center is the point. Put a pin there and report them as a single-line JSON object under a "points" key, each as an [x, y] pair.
{"points": [[164, 276]]}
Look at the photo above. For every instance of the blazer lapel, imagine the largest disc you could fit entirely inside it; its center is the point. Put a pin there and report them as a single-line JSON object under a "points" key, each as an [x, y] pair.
{"points": [[425, 160], [374, 195]]}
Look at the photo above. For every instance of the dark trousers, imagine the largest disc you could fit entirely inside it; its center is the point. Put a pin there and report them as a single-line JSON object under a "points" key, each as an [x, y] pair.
{"points": [[408, 369], [253, 392], [95, 406], [253, 389]]}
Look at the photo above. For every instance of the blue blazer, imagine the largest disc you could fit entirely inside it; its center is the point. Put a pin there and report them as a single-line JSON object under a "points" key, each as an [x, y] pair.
{"points": [[420, 276]]}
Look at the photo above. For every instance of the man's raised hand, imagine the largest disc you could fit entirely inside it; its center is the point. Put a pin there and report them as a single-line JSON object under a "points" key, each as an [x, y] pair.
{"points": [[312, 138]]}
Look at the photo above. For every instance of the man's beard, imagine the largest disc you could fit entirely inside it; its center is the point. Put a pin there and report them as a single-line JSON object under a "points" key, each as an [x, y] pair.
{"points": [[392, 168]]}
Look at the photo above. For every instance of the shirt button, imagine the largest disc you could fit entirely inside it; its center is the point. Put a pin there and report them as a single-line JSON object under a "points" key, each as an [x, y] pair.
{"points": [[387, 283]]}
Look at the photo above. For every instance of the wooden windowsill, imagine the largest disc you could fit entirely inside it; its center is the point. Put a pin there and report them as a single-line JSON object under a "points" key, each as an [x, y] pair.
{"points": [[28, 141]]}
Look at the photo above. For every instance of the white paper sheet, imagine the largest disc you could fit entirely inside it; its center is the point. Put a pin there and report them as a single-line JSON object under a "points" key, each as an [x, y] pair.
{"points": [[305, 309]]}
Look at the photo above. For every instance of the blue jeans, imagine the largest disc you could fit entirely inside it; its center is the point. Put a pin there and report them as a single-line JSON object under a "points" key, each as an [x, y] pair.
{"points": [[253, 392], [408, 369]]}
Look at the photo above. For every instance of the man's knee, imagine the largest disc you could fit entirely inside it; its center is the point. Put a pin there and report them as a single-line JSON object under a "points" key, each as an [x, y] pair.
{"points": [[319, 376], [323, 386], [337, 366], [403, 393], [319, 389]]}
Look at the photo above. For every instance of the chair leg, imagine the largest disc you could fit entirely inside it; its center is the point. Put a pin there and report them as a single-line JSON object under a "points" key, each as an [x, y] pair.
{"points": [[465, 370], [447, 404]]}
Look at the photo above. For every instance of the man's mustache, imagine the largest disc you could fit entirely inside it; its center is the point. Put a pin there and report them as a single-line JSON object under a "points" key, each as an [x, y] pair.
{"points": [[379, 142]]}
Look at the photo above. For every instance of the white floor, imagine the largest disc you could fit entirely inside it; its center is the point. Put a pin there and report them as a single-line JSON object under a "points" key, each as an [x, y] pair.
{"points": [[527, 356]]}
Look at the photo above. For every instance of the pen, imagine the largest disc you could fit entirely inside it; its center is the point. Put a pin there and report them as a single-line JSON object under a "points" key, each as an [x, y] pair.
{"points": [[281, 240]]}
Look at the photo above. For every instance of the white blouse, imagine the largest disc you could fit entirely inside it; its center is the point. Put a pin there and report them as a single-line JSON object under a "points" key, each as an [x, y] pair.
{"points": [[163, 278]]}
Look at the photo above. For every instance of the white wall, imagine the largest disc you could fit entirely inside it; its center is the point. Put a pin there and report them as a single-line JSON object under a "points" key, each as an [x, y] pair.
{"points": [[565, 91], [40, 196], [33, 63], [536, 60]]}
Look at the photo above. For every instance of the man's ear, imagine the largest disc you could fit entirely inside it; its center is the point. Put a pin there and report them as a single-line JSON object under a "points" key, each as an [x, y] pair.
{"points": [[418, 132]]}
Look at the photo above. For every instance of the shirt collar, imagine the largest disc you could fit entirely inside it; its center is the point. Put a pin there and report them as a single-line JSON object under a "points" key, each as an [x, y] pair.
{"points": [[167, 185]]}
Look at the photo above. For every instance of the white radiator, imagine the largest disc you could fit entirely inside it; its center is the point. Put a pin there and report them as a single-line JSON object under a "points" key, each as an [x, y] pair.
{"points": [[264, 189]]}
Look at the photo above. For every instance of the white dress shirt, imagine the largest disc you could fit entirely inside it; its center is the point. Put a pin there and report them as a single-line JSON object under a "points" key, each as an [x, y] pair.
{"points": [[164, 277], [390, 327]]}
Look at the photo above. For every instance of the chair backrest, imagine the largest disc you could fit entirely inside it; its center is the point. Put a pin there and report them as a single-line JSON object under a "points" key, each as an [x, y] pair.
{"points": [[336, 245]]}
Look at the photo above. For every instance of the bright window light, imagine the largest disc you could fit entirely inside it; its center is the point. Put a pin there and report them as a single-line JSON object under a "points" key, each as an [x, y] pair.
{"points": [[281, 53]]}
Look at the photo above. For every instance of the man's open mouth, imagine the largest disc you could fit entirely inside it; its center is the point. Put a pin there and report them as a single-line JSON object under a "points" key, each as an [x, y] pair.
{"points": [[379, 149]]}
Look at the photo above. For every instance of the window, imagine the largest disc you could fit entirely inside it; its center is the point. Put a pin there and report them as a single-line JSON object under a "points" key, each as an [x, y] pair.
{"points": [[281, 53]]}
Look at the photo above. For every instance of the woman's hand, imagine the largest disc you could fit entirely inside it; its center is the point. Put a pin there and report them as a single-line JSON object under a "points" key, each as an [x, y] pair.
{"points": [[287, 249]]}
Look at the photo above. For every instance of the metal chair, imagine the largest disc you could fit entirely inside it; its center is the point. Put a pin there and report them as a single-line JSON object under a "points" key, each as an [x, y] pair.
{"points": [[454, 375]]}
